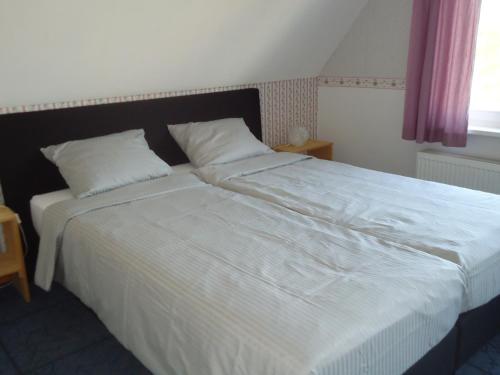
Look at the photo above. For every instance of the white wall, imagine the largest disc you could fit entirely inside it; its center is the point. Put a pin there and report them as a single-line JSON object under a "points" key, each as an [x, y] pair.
{"points": [[59, 50], [366, 123], [365, 126]]}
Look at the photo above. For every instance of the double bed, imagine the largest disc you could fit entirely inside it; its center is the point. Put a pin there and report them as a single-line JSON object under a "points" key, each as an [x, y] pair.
{"points": [[199, 279], [206, 278]]}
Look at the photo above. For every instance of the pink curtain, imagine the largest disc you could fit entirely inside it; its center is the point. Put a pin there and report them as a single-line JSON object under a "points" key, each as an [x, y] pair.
{"points": [[440, 66]]}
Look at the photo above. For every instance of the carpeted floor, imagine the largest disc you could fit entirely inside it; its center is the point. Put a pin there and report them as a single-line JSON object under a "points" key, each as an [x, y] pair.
{"points": [[57, 334]]}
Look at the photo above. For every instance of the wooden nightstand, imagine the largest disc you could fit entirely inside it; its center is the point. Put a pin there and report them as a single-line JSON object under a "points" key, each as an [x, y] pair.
{"points": [[12, 260], [318, 149]]}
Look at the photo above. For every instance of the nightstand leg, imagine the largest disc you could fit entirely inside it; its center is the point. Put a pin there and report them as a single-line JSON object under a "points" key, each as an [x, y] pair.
{"points": [[21, 283], [21, 278]]}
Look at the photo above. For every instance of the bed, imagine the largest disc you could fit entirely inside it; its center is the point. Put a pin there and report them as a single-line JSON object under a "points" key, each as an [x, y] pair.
{"points": [[199, 279], [456, 224], [137, 280]]}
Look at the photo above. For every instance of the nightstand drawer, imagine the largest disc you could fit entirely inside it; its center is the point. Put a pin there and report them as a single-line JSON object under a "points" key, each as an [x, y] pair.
{"points": [[316, 148]]}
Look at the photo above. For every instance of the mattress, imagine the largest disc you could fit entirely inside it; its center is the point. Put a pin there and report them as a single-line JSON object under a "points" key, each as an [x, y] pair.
{"points": [[456, 224], [39, 203], [195, 279]]}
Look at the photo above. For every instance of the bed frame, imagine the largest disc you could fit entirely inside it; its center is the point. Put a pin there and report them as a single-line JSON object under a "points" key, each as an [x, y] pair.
{"points": [[24, 172]]}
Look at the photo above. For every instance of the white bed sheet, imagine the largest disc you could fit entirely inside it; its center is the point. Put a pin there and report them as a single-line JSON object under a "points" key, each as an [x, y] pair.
{"points": [[39, 203], [457, 224], [201, 280]]}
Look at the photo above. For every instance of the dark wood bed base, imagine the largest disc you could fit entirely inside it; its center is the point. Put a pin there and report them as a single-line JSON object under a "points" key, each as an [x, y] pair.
{"points": [[24, 172], [440, 359], [476, 327]]}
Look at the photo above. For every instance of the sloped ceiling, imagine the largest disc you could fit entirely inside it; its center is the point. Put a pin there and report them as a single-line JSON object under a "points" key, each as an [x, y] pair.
{"points": [[55, 50], [377, 43]]}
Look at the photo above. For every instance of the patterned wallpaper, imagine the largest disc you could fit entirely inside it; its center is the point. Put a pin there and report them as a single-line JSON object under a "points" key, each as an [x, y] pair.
{"points": [[284, 105]]}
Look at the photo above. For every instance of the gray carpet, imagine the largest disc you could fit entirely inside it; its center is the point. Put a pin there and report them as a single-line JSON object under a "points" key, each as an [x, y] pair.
{"points": [[57, 334]]}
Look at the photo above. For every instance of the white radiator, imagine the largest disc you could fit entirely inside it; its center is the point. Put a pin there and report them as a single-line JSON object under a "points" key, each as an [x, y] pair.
{"points": [[472, 173]]}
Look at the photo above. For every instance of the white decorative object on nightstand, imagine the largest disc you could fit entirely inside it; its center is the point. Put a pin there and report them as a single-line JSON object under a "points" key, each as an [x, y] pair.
{"points": [[298, 136]]}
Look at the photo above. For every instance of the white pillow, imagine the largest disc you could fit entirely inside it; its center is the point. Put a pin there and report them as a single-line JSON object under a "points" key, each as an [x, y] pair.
{"points": [[217, 142], [95, 165]]}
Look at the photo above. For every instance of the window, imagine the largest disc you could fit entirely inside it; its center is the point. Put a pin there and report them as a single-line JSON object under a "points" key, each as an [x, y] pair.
{"points": [[484, 111]]}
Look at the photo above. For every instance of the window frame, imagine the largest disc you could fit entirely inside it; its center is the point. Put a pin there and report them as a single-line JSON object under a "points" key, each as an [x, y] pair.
{"points": [[484, 123]]}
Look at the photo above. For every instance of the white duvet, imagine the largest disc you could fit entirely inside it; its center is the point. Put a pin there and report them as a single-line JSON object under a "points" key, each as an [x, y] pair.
{"points": [[456, 224], [195, 279]]}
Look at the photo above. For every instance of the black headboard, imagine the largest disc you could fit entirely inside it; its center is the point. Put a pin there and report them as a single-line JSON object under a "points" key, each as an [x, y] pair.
{"points": [[24, 171]]}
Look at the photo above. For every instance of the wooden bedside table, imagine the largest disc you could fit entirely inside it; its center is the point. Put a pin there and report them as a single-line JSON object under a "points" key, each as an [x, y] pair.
{"points": [[12, 260], [316, 148]]}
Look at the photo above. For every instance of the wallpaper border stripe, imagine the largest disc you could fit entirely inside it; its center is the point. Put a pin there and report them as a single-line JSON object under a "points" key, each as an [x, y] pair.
{"points": [[363, 82]]}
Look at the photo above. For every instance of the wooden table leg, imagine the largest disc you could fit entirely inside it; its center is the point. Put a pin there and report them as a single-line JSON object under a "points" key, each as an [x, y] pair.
{"points": [[14, 245]]}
